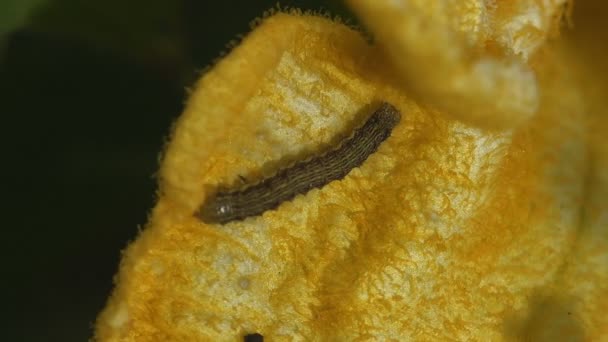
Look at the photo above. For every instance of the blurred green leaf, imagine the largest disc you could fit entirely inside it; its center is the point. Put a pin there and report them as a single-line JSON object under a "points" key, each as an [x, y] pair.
{"points": [[137, 28], [14, 13]]}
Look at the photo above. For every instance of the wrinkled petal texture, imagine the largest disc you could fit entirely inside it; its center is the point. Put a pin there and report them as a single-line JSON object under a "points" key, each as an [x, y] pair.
{"points": [[448, 232], [470, 58]]}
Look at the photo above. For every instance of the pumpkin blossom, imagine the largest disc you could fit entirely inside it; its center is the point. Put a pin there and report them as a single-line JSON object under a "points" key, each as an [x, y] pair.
{"points": [[481, 217]]}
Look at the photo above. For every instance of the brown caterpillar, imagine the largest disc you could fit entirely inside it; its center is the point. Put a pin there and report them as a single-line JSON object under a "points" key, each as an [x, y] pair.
{"points": [[255, 199]]}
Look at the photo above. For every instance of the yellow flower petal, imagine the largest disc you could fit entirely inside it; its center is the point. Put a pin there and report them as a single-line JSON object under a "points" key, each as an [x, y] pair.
{"points": [[447, 232], [470, 57], [584, 279]]}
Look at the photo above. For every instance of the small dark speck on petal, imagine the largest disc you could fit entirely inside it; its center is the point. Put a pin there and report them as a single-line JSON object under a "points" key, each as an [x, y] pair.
{"points": [[253, 338]]}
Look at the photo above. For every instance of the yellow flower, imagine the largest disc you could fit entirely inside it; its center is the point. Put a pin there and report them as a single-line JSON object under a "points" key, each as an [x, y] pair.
{"points": [[466, 224]]}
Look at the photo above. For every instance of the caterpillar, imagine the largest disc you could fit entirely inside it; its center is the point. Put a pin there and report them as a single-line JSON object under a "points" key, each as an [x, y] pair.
{"points": [[303, 176]]}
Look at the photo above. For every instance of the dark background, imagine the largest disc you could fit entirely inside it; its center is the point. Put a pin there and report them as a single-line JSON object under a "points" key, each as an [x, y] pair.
{"points": [[88, 92]]}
